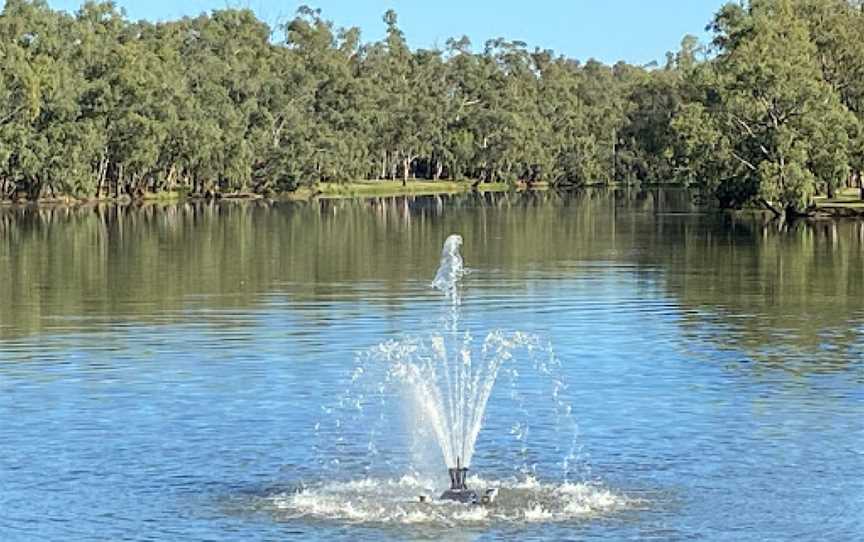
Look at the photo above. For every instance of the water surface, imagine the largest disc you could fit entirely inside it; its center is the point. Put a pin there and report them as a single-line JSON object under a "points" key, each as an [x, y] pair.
{"points": [[163, 369]]}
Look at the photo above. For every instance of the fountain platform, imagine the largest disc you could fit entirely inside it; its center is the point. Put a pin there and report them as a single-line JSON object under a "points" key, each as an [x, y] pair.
{"points": [[459, 491]]}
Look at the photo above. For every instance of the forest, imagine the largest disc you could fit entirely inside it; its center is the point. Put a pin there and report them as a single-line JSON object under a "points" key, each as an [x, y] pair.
{"points": [[769, 113]]}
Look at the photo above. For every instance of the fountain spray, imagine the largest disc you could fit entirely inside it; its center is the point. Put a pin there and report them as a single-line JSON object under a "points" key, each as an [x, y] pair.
{"points": [[467, 388], [445, 378], [449, 377]]}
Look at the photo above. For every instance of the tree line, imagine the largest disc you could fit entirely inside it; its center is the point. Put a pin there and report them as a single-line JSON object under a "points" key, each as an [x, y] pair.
{"points": [[94, 105]]}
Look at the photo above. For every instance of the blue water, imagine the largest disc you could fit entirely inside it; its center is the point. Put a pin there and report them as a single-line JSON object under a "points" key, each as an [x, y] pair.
{"points": [[129, 418]]}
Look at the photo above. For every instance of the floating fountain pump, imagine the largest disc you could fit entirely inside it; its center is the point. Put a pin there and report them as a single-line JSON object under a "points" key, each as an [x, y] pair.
{"points": [[459, 491]]}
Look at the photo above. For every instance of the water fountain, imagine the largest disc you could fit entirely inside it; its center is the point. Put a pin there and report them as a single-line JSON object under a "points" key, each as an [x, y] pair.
{"points": [[448, 382], [441, 382], [452, 390]]}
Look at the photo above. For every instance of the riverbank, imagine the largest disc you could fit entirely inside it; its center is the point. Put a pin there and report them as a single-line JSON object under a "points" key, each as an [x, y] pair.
{"points": [[847, 203], [353, 189], [388, 188]]}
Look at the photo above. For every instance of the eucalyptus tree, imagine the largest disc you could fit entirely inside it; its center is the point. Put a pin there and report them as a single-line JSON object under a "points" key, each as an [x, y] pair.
{"points": [[782, 131], [836, 27], [646, 143], [466, 81], [391, 66], [92, 104]]}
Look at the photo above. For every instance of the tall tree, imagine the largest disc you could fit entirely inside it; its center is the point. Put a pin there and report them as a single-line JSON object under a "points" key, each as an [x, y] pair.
{"points": [[784, 130]]}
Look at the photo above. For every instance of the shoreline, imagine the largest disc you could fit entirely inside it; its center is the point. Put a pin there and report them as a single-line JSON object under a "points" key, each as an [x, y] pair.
{"points": [[845, 206], [354, 189]]}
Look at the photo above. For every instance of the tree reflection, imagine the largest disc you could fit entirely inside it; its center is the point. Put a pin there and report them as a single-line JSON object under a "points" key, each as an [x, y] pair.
{"points": [[789, 295]]}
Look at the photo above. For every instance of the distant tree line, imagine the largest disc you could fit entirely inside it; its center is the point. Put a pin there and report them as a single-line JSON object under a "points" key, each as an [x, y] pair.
{"points": [[94, 105]]}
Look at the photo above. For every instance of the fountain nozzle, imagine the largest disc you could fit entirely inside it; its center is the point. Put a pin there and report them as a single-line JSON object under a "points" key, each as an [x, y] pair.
{"points": [[458, 476], [459, 491]]}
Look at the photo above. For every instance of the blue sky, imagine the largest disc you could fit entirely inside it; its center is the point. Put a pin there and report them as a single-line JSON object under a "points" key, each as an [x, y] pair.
{"points": [[637, 31]]}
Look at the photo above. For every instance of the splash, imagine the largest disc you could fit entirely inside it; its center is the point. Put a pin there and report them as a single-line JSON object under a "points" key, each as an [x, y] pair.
{"points": [[394, 502]]}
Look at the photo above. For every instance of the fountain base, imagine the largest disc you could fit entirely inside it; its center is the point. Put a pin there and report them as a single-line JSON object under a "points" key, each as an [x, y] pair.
{"points": [[463, 496], [459, 491]]}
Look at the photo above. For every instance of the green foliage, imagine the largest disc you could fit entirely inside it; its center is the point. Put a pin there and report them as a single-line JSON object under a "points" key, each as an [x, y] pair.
{"points": [[92, 105], [766, 124]]}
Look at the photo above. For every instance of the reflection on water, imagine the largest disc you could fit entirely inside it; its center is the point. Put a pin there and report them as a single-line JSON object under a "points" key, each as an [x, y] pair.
{"points": [[785, 295], [162, 367]]}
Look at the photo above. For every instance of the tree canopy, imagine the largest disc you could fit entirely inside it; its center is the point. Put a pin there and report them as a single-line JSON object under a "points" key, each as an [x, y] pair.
{"points": [[94, 105], [770, 119]]}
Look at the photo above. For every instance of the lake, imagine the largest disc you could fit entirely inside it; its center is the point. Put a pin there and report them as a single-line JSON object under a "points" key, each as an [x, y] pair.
{"points": [[188, 371]]}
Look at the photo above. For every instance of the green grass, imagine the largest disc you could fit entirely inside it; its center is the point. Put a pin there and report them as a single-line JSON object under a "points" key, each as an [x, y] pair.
{"points": [[355, 189], [847, 198], [168, 195]]}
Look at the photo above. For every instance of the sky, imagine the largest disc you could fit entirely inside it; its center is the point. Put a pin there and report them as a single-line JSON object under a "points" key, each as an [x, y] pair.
{"points": [[638, 31]]}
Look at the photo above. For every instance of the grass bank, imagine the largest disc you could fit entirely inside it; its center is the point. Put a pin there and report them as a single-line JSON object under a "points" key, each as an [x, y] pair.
{"points": [[848, 198], [846, 203], [350, 189], [360, 189]]}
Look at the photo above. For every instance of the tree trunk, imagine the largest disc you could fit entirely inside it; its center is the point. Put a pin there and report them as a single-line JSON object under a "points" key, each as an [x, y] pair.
{"points": [[171, 178], [133, 187], [117, 181], [35, 191], [406, 165], [439, 168], [792, 213], [861, 180], [100, 176], [776, 212]]}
